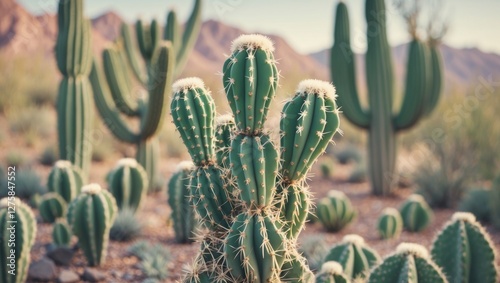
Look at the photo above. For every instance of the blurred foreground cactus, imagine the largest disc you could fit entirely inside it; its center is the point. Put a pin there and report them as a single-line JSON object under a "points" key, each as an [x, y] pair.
{"points": [[423, 87], [65, 179], [416, 213], [390, 224], [335, 211], [128, 183]]}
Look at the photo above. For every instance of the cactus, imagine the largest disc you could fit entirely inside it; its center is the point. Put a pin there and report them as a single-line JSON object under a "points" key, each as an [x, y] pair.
{"points": [[65, 179], [74, 101], [331, 272], [224, 127], [20, 224], [296, 269], [411, 263], [51, 207], [423, 87], [61, 233], [390, 224], [465, 252], [355, 257], [183, 214], [128, 183], [90, 216], [416, 213], [494, 203], [335, 211]]}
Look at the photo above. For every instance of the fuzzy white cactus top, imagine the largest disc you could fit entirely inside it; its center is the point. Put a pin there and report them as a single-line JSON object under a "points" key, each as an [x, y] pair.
{"points": [[252, 41], [185, 165], [390, 211], [415, 197], [187, 83], [464, 216], [336, 194], [91, 189], [63, 164], [317, 87], [414, 249], [128, 162], [331, 267], [224, 119], [353, 239]]}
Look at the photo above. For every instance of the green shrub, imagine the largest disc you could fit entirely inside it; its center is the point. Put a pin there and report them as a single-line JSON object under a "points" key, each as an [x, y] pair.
{"points": [[358, 174], [126, 226], [326, 169], [15, 158], [154, 258], [49, 156], [477, 202], [33, 121], [314, 249], [28, 184], [143, 249], [348, 153]]}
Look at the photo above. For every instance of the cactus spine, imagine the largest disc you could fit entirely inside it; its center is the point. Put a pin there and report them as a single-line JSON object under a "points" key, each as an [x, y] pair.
{"points": [[24, 232], [183, 214], [410, 264], [390, 224], [465, 251], [74, 100], [331, 272], [61, 233], [128, 183], [51, 207], [416, 213], [91, 216], [65, 179], [335, 211], [423, 86], [355, 257]]}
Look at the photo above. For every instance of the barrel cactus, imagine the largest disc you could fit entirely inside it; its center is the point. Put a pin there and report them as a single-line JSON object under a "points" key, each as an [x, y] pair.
{"points": [[335, 211], [411, 263], [355, 257], [21, 225], [332, 272], [465, 252], [416, 213], [128, 183], [51, 207], [183, 215], [61, 233], [65, 179], [90, 216], [390, 224]]}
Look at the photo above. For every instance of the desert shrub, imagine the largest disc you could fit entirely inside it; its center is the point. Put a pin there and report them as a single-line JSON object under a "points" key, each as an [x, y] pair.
{"points": [[348, 153], [15, 158], [326, 167], [143, 249], [32, 121], [126, 227], [358, 174], [28, 184], [154, 258], [49, 156], [477, 202], [314, 249], [101, 150]]}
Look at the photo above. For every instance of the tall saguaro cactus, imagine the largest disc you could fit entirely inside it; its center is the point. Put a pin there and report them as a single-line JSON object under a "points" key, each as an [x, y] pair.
{"points": [[423, 86], [74, 101]]}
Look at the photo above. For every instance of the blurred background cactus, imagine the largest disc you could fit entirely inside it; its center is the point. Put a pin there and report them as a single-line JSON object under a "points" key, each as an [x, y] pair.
{"points": [[65, 179], [335, 211], [128, 183], [61, 233], [416, 213], [390, 224], [52, 206]]}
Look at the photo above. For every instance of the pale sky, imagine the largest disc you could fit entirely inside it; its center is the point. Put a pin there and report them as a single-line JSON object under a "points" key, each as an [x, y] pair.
{"points": [[306, 24]]}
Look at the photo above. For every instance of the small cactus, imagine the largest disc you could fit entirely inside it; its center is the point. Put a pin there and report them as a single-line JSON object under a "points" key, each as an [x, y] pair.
{"points": [[465, 252], [224, 127], [390, 224], [51, 207], [355, 257], [331, 272], [90, 216], [61, 233], [410, 264], [416, 213], [24, 233], [335, 211], [65, 179], [128, 183]]}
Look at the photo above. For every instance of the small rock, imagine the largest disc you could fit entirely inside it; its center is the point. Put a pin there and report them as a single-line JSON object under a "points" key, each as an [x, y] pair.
{"points": [[93, 275], [61, 255], [127, 276], [42, 270], [68, 276]]}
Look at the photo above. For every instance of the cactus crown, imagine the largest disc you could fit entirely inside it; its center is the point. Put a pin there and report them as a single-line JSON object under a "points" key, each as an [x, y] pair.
{"points": [[252, 41], [91, 189], [415, 197], [63, 164], [390, 211], [128, 162], [331, 267], [413, 249], [464, 216], [185, 166], [187, 83], [353, 239], [318, 87]]}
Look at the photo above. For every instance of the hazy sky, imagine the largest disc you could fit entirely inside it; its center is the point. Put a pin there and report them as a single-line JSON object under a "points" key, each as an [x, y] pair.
{"points": [[307, 24]]}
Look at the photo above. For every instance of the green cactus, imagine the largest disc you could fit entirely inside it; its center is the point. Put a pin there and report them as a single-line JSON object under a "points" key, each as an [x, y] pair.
{"points": [[90, 216], [355, 257], [183, 214], [296, 269], [494, 201], [332, 272], [51, 207], [390, 224], [224, 127], [128, 183], [65, 179], [74, 101], [465, 252], [410, 264], [335, 211], [416, 213], [423, 87], [22, 225], [61, 233]]}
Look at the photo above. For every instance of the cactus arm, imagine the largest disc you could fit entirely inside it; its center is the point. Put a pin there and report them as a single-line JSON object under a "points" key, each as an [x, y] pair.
{"points": [[159, 92], [483, 256], [343, 71], [131, 52], [191, 31], [172, 31], [144, 39], [436, 79], [265, 78]]}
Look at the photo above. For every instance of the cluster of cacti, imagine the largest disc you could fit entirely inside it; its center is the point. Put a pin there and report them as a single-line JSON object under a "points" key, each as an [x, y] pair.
{"points": [[423, 86], [74, 101], [465, 252], [90, 216], [52, 206], [20, 225], [355, 257], [128, 183], [335, 211], [390, 224], [332, 272], [494, 201], [183, 215], [416, 213], [410, 264], [61, 233], [164, 58], [65, 179]]}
